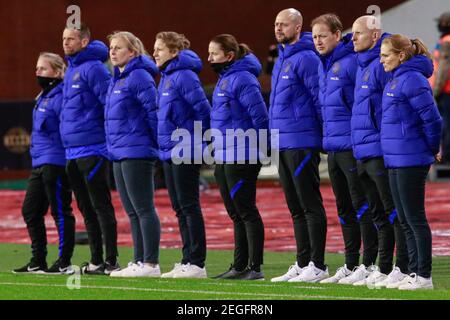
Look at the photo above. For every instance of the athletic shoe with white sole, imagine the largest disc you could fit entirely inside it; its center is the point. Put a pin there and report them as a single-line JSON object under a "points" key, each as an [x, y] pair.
{"points": [[311, 274], [393, 278], [293, 271], [341, 273], [32, 267], [374, 277], [358, 274], [191, 271], [60, 267], [176, 268], [118, 273], [405, 280], [141, 270], [416, 283]]}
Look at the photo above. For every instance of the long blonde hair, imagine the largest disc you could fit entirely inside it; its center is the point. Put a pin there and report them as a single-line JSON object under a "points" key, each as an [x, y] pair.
{"points": [[55, 61], [410, 47]]}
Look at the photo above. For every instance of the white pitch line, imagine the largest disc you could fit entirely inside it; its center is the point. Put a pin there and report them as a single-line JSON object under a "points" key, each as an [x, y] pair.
{"points": [[193, 291]]}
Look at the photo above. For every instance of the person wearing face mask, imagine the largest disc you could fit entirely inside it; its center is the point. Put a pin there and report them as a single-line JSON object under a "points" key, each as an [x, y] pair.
{"points": [[295, 113], [131, 139], [48, 184], [182, 107], [238, 104], [410, 136], [337, 73]]}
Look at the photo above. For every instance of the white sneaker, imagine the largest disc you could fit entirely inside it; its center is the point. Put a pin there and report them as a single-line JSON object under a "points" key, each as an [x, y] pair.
{"points": [[358, 274], [397, 284], [141, 270], [341, 273], [393, 278], [417, 282], [191, 271], [374, 277], [311, 274], [118, 273], [292, 272], [176, 268]]}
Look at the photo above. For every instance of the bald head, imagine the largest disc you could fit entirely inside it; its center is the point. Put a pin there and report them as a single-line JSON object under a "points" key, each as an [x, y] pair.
{"points": [[366, 32], [288, 25], [293, 14]]}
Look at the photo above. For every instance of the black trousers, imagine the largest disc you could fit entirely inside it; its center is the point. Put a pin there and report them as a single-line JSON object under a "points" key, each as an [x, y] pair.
{"points": [[48, 185], [299, 177], [354, 216], [408, 191], [182, 182], [374, 178], [89, 177], [237, 184]]}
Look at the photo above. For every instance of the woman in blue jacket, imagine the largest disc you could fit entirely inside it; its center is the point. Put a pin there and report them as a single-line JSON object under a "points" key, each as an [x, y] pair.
{"points": [[48, 184], [410, 135], [238, 105], [130, 126], [183, 116]]}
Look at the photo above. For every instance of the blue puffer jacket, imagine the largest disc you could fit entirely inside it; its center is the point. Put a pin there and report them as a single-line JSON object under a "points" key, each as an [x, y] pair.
{"points": [[238, 104], [294, 106], [46, 146], [130, 111], [182, 101], [337, 74], [366, 116], [410, 124], [85, 85]]}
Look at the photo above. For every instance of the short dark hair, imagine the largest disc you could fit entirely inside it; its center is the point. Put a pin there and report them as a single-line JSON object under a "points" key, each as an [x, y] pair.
{"points": [[85, 33], [331, 20]]}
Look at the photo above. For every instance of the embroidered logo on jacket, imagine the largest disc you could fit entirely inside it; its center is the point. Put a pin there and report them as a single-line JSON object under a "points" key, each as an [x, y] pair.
{"points": [[366, 76], [76, 76], [224, 84], [336, 67]]}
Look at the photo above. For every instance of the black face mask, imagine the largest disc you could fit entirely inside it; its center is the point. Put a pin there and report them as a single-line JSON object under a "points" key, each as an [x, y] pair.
{"points": [[219, 67], [46, 82]]}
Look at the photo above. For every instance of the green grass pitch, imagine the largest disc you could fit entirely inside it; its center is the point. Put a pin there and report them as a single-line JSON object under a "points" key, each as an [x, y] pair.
{"points": [[44, 287]]}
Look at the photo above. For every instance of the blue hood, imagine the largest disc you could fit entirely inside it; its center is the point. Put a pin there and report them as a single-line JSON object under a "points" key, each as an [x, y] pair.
{"points": [[96, 50], [366, 57], [344, 48], [248, 63], [186, 59], [140, 62], [418, 63], [305, 43]]}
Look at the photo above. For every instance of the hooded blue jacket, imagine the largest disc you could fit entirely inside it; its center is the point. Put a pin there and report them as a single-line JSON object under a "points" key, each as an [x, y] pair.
{"points": [[130, 111], [337, 74], [181, 101], [366, 117], [410, 124], [85, 85], [294, 106], [238, 104], [46, 146]]}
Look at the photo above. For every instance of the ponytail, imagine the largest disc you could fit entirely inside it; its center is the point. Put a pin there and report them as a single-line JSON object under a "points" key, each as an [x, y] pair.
{"points": [[400, 43], [228, 43], [420, 48]]}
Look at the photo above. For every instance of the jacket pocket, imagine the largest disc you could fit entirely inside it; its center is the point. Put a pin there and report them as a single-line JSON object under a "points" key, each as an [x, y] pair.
{"points": [[372, 115]]}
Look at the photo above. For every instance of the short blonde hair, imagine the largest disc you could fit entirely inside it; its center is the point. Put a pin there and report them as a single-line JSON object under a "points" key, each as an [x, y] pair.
{"points": [[134, 44], [55, 61]]}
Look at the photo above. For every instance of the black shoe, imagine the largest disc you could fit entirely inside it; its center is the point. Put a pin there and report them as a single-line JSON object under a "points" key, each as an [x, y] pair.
{"points": [[250, 274], [231, 273], [108, 267], [92, 269], [60, 267], [32, 267]]}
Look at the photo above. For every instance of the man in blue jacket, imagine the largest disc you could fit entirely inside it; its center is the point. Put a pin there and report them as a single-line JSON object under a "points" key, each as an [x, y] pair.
{"points": [[366, 124], [337, 72], [83, 137], [294, 111]]}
